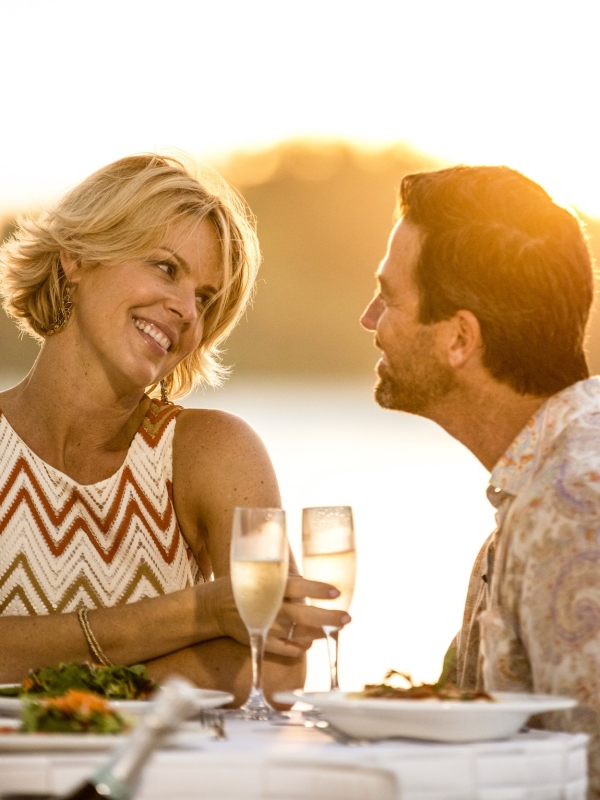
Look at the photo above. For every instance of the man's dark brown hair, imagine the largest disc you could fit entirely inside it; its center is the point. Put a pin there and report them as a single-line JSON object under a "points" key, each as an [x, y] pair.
{"points": [[495, 243]]}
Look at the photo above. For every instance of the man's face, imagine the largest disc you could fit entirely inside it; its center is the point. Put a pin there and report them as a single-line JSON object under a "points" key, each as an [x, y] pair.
{"points": [[411, 375]]}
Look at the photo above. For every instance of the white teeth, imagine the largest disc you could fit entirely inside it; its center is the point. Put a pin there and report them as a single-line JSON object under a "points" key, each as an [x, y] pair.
{"points": [[154, 332]]}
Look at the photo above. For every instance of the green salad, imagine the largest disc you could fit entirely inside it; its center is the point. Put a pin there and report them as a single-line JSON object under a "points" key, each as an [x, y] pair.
{"points": [[112, 683], [75, 712]]}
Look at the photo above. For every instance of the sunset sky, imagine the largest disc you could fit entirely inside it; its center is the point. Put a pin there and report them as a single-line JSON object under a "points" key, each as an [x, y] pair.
{"points": [[87, 82]]}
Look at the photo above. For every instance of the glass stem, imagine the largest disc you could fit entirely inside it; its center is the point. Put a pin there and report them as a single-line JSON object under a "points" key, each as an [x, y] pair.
{"points": [[257, 648], [332, 634]]}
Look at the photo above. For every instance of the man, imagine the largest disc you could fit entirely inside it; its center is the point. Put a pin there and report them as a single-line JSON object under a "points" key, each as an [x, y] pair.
{"points": [[480, 315]]}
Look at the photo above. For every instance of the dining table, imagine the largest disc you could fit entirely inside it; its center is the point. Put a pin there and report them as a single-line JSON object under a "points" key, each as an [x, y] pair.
{"points": [[289, 761]]}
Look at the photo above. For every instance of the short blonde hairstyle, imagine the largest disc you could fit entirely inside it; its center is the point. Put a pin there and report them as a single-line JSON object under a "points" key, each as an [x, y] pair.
{"points": [[122, 211]]}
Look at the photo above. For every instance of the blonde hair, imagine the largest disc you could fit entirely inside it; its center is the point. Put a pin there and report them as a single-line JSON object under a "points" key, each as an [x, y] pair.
{"points": [[123, 211]]}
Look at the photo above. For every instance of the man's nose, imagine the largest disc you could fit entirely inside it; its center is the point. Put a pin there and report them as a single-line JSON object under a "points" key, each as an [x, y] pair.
{"points": [[371, 314]]}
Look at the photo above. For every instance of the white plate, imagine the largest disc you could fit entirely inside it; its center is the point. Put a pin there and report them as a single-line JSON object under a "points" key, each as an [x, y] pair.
{"points": [[190, 734], [207, 698], [435, 720], [24, 742]]}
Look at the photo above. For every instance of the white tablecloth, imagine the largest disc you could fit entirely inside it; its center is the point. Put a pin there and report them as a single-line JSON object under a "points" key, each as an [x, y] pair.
{"points": [[260, 761]]}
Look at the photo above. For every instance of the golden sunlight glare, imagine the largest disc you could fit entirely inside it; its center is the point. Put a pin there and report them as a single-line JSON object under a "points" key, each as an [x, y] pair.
{"points": [[511, 82]]}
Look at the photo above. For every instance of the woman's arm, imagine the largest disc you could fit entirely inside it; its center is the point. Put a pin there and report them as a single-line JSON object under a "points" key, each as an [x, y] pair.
{"points": [[127, 634], [219, 463], [225, 664], [145, 631]]}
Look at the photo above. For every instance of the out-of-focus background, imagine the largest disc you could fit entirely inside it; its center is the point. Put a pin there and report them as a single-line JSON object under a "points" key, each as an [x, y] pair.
{"points": [[314, 112]]}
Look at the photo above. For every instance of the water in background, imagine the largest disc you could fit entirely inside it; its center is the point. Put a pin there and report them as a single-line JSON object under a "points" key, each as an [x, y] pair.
{"points": [[420, 514]]}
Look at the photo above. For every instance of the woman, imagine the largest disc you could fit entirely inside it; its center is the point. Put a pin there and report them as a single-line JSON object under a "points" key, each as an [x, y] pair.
{"points": [[116, 505]]}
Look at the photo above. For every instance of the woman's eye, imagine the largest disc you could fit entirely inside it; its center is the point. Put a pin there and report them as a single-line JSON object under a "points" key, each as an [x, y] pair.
{"points": [[166, 267]]}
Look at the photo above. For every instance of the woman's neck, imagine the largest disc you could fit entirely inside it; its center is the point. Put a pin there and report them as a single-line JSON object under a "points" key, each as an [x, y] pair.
{"points": [[76, 422]]}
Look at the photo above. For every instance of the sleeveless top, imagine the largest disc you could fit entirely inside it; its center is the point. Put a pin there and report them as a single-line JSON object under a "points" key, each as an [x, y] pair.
{"points": [[63, 545]]}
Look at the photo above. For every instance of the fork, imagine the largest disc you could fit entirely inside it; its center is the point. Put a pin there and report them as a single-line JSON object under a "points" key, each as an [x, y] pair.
{"points": [[212, 718], [314, 720]]}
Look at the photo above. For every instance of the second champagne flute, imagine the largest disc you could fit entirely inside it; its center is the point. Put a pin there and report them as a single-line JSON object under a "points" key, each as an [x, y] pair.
{"points": [[329, 555], [259, 572]]}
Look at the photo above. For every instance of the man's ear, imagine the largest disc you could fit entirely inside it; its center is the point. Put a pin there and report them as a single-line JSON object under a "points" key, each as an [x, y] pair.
{"points": [[463, 340]]}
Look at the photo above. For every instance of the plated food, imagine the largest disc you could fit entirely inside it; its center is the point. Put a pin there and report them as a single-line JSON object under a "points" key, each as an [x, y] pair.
{"points": [[452, 721], [112, 683], [442, 690], [13, 739], [74, 712], [49, 712], [78, 720], [127, 690]]}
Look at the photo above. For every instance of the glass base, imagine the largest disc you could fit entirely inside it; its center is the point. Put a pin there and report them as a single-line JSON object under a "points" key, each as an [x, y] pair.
{"points": [[262, 713], [256, 708]]}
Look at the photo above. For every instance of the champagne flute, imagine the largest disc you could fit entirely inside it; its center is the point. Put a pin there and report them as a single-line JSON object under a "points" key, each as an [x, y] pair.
{"points": [[259, 572], [329, 555]]}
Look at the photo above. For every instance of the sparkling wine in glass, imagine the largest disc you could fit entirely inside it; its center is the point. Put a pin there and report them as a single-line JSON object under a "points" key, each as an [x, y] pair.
{"points": [[259, 572], [329, 555]]}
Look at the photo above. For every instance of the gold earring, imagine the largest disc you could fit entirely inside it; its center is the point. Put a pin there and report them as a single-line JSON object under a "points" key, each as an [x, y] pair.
{"points": [[163, 391], [64, 312]]}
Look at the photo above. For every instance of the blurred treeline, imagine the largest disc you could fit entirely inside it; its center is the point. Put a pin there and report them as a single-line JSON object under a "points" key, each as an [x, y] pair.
{"points": [[324, 213]]}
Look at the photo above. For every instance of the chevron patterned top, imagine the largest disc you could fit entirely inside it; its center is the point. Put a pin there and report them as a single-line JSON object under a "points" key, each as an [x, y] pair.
{"points": [[63, 545]]}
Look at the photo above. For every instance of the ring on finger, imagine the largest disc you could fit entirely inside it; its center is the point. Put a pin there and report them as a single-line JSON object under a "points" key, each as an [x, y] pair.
{"points": [[290, 635]]}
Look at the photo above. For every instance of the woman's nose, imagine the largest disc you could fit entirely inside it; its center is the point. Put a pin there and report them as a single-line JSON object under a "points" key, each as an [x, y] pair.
{"points": [[184, 304]]}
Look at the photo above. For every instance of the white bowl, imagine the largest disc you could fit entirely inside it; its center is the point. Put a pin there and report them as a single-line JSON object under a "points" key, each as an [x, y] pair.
{"points": [[434, 720]]}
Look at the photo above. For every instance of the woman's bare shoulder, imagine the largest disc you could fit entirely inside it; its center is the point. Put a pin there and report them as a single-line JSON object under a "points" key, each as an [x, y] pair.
{"points": [[212, 441], [209, 427], [219, 461]]}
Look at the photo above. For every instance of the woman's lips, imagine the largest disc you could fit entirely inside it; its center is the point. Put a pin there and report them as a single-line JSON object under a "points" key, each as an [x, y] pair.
{"points": [[154, 332]]}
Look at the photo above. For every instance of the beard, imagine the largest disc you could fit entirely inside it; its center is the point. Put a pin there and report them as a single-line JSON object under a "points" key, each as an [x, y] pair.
{"points": [[419, 381]]}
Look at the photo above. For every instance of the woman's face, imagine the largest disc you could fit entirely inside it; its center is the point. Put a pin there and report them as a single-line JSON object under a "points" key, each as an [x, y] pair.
{"points": [[136, 321]]}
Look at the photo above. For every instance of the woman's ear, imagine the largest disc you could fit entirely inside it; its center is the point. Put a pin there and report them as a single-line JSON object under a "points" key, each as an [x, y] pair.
{"points": [[70, 265]]}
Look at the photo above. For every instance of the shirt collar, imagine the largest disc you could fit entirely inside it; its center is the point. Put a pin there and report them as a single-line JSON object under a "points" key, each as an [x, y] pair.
{"points": [[517, 465]]}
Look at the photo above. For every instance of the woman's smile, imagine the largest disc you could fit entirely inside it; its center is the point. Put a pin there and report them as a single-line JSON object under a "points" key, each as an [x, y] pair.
{"points": [[151, 330]]}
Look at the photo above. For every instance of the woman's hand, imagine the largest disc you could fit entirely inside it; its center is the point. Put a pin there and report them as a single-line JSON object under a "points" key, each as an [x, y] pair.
{"points": [[308, 620], [304, 622]]}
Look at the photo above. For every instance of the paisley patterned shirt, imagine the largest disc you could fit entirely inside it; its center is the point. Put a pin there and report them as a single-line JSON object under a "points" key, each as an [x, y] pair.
{"points": [[532, 615]]}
